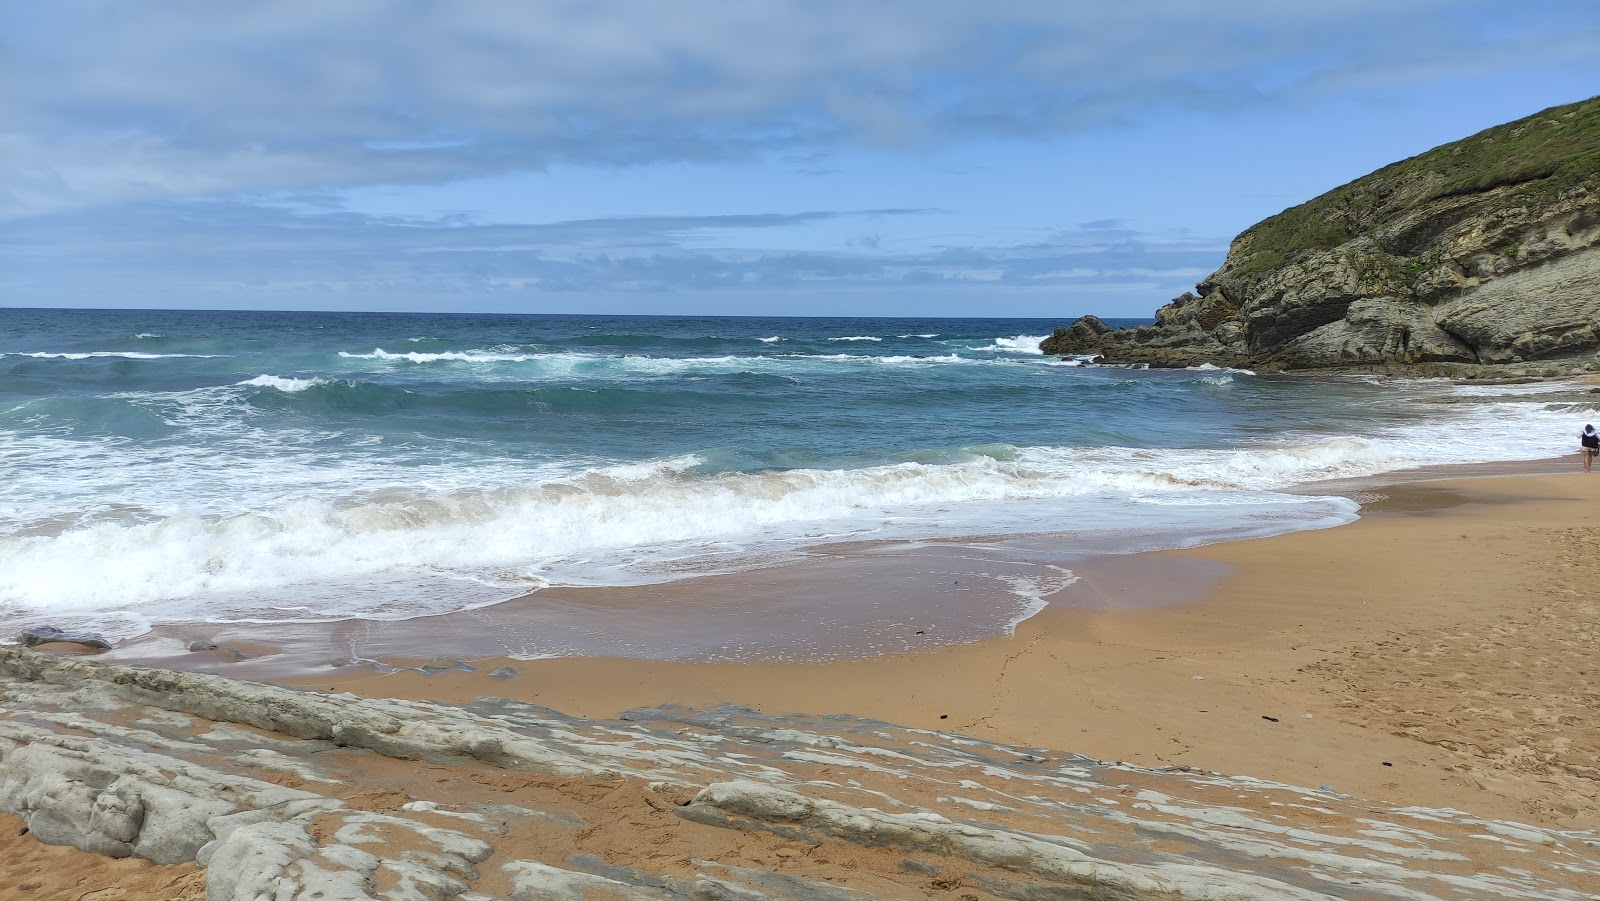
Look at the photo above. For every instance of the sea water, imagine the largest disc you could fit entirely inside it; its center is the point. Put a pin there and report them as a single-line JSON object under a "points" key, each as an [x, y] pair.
{"points": [[167, 466]]}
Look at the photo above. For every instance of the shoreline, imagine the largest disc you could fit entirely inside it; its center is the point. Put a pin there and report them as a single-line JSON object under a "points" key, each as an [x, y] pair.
{"points": [[1311, 658], [1404, 698], [935, 592]]}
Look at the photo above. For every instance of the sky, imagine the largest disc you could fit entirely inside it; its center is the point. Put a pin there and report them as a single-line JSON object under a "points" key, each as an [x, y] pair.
{"points": [[743, 157]]}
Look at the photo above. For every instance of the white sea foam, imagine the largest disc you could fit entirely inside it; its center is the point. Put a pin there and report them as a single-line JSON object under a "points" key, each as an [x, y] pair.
{"points": [[609, 524], [565, 364], [454, 356], [1530, 390], [1212, 367], [125, 354], [927, 335], [772, 340], [895, 359], [856, 338], [314, 538], [884, 359], [561, 364], [1035, 591], [1018, 344], [148, 335], [650, 469], [281, 383]]}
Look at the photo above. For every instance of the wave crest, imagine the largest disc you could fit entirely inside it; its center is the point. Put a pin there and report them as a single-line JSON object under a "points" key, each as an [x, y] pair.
{"points": [[281, 383]]}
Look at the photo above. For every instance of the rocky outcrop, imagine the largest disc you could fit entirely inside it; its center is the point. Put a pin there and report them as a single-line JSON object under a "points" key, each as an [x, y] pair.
{"points": [[679, 804], [1484, 252]]}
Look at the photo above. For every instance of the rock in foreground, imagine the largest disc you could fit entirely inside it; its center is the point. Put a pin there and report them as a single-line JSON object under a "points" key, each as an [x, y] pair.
{"points": [[281, 793]]}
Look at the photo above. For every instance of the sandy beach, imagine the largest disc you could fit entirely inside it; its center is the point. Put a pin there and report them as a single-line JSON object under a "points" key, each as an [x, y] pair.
{"points": [[33, 869], [1437, 652]]}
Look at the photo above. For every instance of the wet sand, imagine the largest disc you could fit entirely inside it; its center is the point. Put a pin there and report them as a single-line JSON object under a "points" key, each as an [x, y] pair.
{"points": [[838, 603]]}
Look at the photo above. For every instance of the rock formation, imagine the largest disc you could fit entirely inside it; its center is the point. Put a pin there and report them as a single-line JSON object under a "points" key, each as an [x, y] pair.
{"points": [[1485, 251], [291, 794]]}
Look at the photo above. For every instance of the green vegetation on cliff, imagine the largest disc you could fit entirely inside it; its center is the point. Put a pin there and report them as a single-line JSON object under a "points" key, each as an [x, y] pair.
{"points": [[1539, 156], [1483, 251]]}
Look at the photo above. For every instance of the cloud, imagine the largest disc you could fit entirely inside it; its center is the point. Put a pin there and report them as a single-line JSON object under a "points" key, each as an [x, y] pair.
{"points": [[217, 253], [107, 104]]}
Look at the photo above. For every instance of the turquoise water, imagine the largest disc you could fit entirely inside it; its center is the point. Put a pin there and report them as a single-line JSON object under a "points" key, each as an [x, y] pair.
{"points": [[175, 466]]}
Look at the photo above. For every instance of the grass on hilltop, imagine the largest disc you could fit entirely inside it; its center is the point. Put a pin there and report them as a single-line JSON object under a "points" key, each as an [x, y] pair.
{"points": [[1541, 154]]}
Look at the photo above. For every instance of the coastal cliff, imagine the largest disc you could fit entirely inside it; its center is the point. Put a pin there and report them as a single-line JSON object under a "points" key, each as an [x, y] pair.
{"points": [[1485, 251]]}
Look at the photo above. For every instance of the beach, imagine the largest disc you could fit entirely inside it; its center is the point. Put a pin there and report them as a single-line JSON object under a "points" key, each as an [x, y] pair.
{"points": [[906, 568], [1437, 652], [1048, 452]]}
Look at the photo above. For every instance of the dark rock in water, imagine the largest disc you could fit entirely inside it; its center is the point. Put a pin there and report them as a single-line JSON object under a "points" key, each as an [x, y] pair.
{"points": [[233, 655], [47, 634], [1083, 337], [373, 665], [443, 664], [504, 672]]}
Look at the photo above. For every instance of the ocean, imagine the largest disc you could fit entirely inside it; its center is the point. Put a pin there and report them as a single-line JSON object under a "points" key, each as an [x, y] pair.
{"points": [[221, 467]]}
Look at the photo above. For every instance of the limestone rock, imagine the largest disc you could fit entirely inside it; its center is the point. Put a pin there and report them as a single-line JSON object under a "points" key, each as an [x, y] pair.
{"points": [[95, 756], [282, 860], [532, 880], [1088, 877]]}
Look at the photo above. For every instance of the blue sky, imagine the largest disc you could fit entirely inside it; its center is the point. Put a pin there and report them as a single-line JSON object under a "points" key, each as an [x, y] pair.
{"points": [[762, 157]]}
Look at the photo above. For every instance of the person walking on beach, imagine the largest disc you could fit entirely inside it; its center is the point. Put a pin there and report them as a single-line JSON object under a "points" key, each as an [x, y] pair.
{"points": [[1589, 441]]}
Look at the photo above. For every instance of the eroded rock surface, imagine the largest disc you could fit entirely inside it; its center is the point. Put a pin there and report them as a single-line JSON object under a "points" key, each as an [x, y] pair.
{"points": [[290, 794]]}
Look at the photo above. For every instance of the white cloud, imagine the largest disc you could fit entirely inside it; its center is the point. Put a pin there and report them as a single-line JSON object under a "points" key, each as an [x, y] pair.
{"points": [[107, 103]]}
